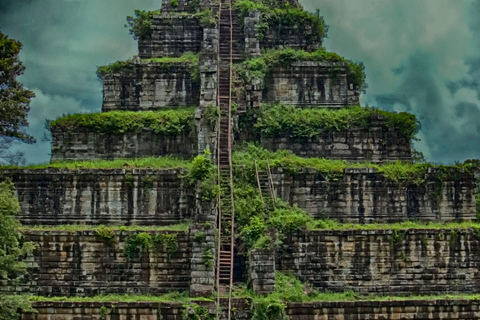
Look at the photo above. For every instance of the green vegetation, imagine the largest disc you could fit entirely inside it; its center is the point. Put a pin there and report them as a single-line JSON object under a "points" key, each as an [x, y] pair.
{"points": [[280, 120], [254, 218], [193, 311], [258, 67], [167, 162], [103, 230], [477, 200], [277, 17], [12, 249], [141, 24], [111, 69], [168, 297], [166, 122], [143, 242], [164, 65]]}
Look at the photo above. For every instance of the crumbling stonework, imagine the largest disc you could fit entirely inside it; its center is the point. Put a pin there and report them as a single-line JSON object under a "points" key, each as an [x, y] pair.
{"points": [[410, 262], [53, 196], [311, 83], [364, 196], [146, 86], [94, 197], [447, 309], [88, 144], [261, 271], [203, 260], [172, 35], [378, 143], [81, 263]]}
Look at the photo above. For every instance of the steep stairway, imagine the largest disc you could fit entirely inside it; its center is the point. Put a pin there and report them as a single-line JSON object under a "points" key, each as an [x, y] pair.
{"points": [[226, 217]]}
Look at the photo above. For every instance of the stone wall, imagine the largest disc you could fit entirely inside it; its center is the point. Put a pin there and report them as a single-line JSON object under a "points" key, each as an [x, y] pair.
{"points": [[88, 144], [376, 144], [448, 309], [364, 196], [411, 262], [172, 35], [150, 86], [311, 83], [298, 36], [93, 197], [82, 264], [156, 197]]}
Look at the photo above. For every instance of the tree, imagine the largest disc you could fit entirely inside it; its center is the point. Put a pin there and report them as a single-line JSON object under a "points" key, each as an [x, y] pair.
{"points": [[14, 99], [12, 248]]}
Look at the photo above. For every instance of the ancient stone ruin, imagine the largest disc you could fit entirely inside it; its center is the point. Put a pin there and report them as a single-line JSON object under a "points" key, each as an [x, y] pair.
{"points": [[233, 174]]}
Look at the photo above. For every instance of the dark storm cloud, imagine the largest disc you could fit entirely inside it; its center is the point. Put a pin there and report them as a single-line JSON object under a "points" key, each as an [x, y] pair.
{"points": [[63, 43], [421, 56]]}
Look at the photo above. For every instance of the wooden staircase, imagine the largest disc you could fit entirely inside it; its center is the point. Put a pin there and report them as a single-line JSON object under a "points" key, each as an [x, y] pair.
{"points": [[227, 53], [265, 186]]}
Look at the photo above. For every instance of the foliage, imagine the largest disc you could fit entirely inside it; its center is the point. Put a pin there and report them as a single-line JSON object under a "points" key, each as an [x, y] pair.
{"points": [[166, 122], [12, 248], [207, 258], [141, 24], [180, 227], [111, 69], [258, 67], [207, 18], [14, 99], [278, 120], [195, 312], [166, 162], [477, 200], [168, 297], [106, 234], [281, 16], [143, 242], [199, 237], [202, 170], [11, 305], [164, 65], [174, 3]]}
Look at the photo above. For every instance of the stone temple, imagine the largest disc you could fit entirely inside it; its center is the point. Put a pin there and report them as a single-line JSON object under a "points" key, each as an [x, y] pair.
{"points": [[231, 164]]}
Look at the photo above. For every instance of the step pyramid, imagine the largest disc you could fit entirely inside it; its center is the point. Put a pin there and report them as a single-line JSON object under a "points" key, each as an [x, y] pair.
{"points": [[329, 202]]}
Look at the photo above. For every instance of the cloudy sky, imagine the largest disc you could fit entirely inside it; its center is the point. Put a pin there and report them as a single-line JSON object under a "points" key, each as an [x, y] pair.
{"points": [[421, 56]]}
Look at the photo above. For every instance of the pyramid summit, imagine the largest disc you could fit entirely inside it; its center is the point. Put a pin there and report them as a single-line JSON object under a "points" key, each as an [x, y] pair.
{"points": [[233, 174]]}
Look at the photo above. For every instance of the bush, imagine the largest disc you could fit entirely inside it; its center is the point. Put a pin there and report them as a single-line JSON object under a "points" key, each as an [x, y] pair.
{"points": [[168, 122], [141, 25], [279, 120]]}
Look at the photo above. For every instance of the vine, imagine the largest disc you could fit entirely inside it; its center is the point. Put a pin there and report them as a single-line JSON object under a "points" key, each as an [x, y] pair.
{"points": [[143, 242]]}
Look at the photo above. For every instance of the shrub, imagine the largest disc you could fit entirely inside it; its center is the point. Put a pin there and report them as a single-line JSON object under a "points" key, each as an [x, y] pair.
{"points": [[141, 25], [168, 122]]}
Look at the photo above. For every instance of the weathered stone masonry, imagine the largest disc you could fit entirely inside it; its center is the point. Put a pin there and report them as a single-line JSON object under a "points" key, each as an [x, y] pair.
{"points": [[364, 196], [448, 309], [82, 264], [413, 262], [156, 197], [172, 35], [378, 143], [88, 144], [150, 86], [111, 197]]}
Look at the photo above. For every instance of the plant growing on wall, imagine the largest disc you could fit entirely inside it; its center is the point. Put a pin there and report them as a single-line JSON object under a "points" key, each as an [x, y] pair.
{"points": [[140, 25], [167, 122], [12, 248]]}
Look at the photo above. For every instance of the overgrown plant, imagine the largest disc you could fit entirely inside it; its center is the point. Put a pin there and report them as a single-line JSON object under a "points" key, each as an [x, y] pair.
{"points": [[143, 242], [140, 25], [166, 122], [279, 120], [259, 67]]}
